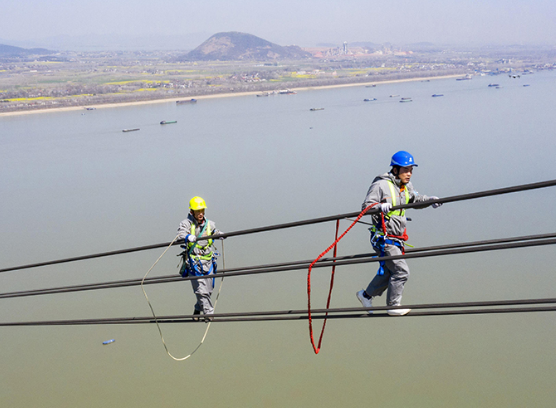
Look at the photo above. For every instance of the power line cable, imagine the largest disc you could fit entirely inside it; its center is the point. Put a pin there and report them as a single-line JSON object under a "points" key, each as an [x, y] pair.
{"points": [[301, 314], [470, 196], [449, 249]]}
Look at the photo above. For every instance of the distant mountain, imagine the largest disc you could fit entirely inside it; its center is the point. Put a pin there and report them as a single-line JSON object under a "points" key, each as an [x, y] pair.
{"points": [[8, 50], [233, 46]]}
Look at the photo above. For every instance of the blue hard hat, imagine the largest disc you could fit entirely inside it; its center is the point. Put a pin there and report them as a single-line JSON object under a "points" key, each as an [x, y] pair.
{"points": [[402, 159]]}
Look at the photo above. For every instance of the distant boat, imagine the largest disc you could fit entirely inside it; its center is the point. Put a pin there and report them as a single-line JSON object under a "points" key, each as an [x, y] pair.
{"points": [[426, 80], [492, 85], [369, 100], [436, 95], [316, 109], [370, 86], [265, 94], [167, 122], [186, 101], [130, 130], [465, 78], [91, 108], [393, 96], [286, 92], [526, 85], [405, 99]]}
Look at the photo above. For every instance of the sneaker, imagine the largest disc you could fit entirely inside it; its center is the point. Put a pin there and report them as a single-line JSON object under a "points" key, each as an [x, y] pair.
{"points": [[196, 312], [398, 312], [208, 319], [364, 301]]}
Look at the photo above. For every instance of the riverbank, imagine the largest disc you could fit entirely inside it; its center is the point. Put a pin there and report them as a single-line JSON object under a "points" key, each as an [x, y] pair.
{"points": [[222, 95]]}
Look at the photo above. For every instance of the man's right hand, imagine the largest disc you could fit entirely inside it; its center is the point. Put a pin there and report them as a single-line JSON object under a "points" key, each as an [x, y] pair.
{"points": [[385, 207]]}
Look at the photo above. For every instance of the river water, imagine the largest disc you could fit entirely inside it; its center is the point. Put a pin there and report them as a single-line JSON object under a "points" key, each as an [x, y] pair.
{"points": [[72, 183]]}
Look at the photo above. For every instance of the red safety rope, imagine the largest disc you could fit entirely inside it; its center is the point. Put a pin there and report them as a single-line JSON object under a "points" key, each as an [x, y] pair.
{"points": [[315, 348]]}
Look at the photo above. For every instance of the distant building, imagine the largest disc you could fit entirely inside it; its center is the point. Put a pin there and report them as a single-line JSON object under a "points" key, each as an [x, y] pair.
{"points": [[345, 47]]}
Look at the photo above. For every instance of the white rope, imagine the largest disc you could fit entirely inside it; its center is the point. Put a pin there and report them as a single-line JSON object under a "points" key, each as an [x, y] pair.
{"points": [[154, 315]]}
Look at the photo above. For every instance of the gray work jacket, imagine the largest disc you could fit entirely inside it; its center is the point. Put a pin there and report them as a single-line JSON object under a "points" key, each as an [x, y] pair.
{"points": [[379, 192], [185, 229]]}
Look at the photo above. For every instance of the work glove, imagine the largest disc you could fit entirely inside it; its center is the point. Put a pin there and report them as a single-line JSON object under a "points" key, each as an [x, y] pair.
{"points": [[385, 207], [191, 238], [435, 205]]}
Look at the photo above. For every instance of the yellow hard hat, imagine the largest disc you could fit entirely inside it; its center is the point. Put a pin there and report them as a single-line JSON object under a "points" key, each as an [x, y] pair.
{"points": [[197, 203]]}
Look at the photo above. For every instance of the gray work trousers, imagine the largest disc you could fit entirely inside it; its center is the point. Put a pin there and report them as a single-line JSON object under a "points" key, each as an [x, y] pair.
{"points": [[396, 273], [203, 290]]}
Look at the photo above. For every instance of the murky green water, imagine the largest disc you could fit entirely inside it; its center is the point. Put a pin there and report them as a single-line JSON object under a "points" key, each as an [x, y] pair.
{"points": [[73, 183]]}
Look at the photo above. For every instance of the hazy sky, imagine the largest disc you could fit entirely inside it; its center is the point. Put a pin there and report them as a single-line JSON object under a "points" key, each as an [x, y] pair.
{"points": [[301, 22]]}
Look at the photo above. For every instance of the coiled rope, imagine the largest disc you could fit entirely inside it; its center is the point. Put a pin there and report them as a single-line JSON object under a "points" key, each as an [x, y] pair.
{"points": [[154, 314], [316, 349]]}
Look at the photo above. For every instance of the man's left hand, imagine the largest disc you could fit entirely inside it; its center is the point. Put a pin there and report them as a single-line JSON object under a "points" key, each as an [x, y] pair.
{"points": [[435, 205]]}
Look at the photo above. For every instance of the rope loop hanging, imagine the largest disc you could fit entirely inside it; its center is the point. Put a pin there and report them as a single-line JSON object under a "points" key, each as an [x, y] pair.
{"points": [[154, 314]]}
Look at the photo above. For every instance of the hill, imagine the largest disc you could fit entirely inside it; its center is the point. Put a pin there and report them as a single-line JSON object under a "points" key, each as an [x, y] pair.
{"points": [[8, 50], [235, 46]]}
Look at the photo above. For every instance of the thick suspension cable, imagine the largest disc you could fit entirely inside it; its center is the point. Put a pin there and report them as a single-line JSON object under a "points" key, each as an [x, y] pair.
{"points": [[476, 246], [434, 309], [470, 196]]}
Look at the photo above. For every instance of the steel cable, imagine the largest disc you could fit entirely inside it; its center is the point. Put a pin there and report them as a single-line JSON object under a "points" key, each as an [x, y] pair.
{"points": [[470, 196], [488, 307], [449, 249]]}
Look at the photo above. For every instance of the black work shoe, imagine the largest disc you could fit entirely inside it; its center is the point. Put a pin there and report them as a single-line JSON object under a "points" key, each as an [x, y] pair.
{"points": [[196, 312], [208, 319]]}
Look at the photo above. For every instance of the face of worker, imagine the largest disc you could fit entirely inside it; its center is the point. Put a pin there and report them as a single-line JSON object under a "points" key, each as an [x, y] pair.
{"points": [[405, 174], [199, 215]]}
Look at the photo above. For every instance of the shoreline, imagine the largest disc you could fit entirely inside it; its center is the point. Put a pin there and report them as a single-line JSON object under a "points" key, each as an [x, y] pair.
{"points": [[222, 95]]}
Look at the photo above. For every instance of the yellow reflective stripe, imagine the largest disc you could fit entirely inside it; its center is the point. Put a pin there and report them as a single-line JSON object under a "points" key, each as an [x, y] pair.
{"points": [[193, 233], [202, 257], [393, 197]]}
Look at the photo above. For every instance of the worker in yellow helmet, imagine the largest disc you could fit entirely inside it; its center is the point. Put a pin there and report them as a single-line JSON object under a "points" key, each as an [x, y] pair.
{"points": [[198, 256]]}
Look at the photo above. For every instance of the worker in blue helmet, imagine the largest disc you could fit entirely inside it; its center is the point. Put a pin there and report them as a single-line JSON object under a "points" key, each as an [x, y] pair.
{"points": [[388, 233], [198, 257]]}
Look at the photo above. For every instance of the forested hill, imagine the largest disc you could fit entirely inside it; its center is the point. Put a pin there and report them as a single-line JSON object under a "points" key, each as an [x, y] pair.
{"points": [[8, 50], [232, 46]]}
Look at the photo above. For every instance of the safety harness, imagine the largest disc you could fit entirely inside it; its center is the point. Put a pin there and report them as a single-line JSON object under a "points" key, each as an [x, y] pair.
{"points": [[381, 238], [192, 263]]}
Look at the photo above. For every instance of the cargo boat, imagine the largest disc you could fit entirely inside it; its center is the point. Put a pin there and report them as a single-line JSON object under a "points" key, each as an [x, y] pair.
{"points": [[186, 101], [167, 122], [130, 130]]}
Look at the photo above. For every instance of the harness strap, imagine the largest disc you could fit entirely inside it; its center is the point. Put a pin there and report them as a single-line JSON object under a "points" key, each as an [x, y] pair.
{"points": [[382, 239]]}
